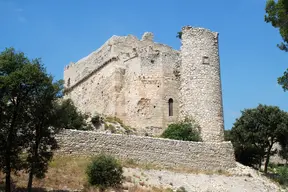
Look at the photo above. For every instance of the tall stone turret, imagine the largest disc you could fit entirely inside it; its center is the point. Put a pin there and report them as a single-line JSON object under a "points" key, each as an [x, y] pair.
{"points": [[200, 89]]}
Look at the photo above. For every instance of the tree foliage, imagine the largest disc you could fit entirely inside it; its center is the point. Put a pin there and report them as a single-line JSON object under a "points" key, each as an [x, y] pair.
{"points": [[179, 35], [227, 135], [104, 171], [43, 123], [17, 84], [276, 15], [187, 130], [69, 116], [256, 131], [283, 141], [28, 115]]}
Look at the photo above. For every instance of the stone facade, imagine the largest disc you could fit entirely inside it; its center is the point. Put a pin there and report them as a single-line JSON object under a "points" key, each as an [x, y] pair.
{"points": [[164, 152], [200, 90], [149, 85]]}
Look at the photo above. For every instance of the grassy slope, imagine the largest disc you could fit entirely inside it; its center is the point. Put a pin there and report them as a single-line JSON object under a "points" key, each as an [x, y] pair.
{"points": [[68, 172]]}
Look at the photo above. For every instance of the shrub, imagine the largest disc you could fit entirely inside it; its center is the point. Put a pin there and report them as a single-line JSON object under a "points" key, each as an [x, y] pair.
{"points": [[104, 171], [181, 189], [110, 119], [105, 126], [282, 175], [112, 128], [70, 117], [96, 121], [187, 130]]}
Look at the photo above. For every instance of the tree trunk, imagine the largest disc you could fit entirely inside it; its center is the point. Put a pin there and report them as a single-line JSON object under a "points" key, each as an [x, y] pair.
{"points": [[8, 180], [31, 174], [34, 159], [30, 181], [8, 162], [267, 159], [8, 151]]}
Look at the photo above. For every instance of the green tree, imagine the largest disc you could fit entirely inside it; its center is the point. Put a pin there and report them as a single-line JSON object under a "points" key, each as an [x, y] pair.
{"points": [[276, 14], [283, 141], [29, 115], [44, 123], [187, 130], [227, 135], [16, 85], [256, 131]]}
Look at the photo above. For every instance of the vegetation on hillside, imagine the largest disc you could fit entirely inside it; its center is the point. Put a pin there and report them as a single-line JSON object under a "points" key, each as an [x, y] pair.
{"points": [[104, 171], [186, 130], [255, 133], [70, 117], [30, 116]]}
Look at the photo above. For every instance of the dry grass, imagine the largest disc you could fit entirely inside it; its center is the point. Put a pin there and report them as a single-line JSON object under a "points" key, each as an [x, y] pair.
{"points": [[68, 172], [64, 172]]}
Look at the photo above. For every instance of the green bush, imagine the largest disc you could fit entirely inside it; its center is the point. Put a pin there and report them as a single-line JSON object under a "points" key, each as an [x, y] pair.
{"points": [[282, 175], [187, 130], [104, 171], [70, 117], [181, 189], [110, 127], [96, 121]]}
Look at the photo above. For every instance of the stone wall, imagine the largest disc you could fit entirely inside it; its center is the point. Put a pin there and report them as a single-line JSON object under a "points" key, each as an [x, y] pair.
{"points": [[200, 90], [129, 78], [134, 79], [165, 152]]}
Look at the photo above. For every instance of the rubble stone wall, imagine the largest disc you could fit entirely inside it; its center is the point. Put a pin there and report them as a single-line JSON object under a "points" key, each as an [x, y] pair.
{"points": [[158, 151]]}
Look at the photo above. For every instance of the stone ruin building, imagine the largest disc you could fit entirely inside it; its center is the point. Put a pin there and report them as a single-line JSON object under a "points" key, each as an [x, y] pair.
{"points": [[149, 85]]}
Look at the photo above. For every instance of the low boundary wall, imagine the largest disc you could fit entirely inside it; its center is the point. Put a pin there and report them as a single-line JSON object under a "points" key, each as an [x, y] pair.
{"points": [[158, 151]]}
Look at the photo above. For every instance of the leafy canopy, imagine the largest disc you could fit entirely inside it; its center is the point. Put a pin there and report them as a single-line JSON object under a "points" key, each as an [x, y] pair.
{"points": [[256, 131], [70, 117], [26, 101], [276, 15]]}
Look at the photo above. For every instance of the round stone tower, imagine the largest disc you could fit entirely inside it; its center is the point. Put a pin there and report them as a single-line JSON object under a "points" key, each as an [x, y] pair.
{"points": [[200, 89]]}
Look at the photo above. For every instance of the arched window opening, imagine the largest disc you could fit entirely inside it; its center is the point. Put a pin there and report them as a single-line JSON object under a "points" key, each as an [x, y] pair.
{"points": [[170, 105], [68, 83]]}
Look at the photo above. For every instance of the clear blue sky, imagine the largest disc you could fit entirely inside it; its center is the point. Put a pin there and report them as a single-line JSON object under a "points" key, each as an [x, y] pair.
{"points": [[60, 31]]}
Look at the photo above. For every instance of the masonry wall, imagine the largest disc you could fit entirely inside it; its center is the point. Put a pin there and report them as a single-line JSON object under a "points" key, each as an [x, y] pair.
{"points": [[195, 155], [171, 84], [201, 92], [128, 78], [96, 92]]}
